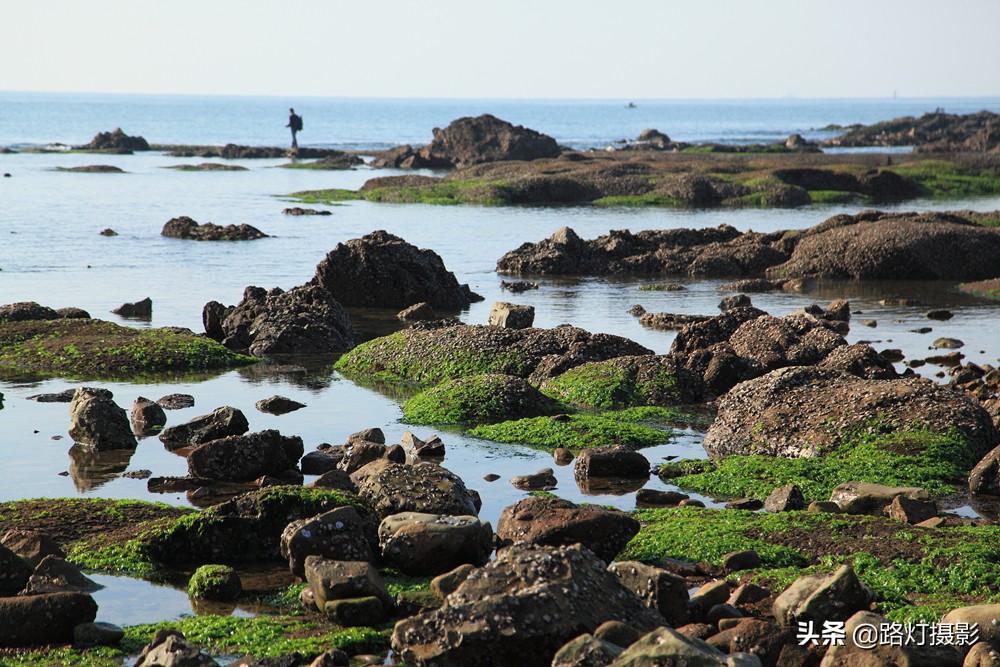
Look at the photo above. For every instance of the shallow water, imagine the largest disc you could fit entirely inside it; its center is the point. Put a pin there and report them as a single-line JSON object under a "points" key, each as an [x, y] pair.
{"points": [[53, 253]]}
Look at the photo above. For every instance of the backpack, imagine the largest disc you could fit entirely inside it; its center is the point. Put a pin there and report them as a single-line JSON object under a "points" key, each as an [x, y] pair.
{"points": [[298, 123]]}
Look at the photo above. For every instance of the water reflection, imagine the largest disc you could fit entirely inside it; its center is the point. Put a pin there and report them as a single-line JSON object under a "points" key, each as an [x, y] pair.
{"points": [[91, 468]]}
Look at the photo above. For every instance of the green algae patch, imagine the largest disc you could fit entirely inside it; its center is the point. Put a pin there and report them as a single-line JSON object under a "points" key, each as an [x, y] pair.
{"points": [[214, 582], [987, 288], [90, 348], [915, 573], [838, 197], [207, 166], [479, 399], [623, 382], [634, 428], [943, 179], [98, 535], [267, 637], [101, 656], [330, 196], [937, 462], [425, 360]]}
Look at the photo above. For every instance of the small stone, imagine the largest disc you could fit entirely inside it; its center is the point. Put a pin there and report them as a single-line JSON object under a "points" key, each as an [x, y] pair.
{"points": [[87, 635], [748, 504], [785, 499], [741, 560], [141, 310], [562, 456], [657, 498], [947, 344], [912, 511], [939, 314], [491, 477], [278, 405], [445, 584]]}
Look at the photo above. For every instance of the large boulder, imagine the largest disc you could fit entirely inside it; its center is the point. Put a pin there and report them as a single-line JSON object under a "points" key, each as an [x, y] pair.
{"points": [[822, 597], [222, 422], [520, 609], [556, 522], [468, 141], [381, 270], [33, 620], [303, 320], [169, 648], [433, 355], [243, 458], [802, 412], [932, 132], [661, 590], [985, 476], [98, 422], [873, 245], [420, 544], [332, 580], [911, 650], [424, 487], [27, 310], [338, 534]]}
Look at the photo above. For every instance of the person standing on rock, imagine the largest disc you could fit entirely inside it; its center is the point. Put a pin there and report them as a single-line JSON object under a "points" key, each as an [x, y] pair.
{"points": [[295, 123]]}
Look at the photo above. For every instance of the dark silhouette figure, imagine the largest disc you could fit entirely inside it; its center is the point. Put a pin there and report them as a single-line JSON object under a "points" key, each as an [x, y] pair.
{"points": [[295, 123]]}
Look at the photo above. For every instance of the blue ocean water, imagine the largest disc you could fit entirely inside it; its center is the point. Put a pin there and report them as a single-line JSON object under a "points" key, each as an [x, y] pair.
{"points": [[350, 123]]}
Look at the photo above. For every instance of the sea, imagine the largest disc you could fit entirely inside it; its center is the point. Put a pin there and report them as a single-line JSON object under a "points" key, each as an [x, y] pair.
{"points": [[52, 252]]}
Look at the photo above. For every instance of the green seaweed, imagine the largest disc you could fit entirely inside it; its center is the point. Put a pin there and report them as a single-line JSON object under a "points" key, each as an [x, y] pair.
{"points": [[476, 399], [915, 457], [943, 568], [99, 349], [630, 428]]}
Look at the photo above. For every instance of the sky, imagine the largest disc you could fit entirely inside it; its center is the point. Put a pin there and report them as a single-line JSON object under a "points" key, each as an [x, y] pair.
{"points": [[522, 49]]}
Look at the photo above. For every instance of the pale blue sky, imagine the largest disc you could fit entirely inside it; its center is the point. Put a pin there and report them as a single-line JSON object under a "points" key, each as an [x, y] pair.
{"points": [[631, 49]]}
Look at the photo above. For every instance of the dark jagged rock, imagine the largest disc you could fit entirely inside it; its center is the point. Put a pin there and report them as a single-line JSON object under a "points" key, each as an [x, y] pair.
{"points": [[142, 310], [381, 270], [722, 251], [115, 142], [34, 620], [186, 228], [298, 210], [303, 320], [520, 609], [424, 487]]}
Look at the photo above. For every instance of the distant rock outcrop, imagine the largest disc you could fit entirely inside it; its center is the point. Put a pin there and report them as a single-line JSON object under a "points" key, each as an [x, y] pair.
{"points": [[115, 142], [935, 132], [468, 141]]}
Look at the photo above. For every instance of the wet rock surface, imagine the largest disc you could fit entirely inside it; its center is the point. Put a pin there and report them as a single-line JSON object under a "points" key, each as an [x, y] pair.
{"points": [[869, 245], [186, 228], [303, 320], [935, 132], [242, 458], [381, 270], [556, 522], [797, 412], [520, 609]]}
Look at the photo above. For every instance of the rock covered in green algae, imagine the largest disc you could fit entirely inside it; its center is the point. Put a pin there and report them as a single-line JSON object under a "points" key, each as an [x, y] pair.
{"points": [[479, 399]]}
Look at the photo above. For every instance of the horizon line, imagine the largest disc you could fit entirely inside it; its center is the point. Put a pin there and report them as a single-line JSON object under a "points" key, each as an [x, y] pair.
{"points": [[499, 99]]}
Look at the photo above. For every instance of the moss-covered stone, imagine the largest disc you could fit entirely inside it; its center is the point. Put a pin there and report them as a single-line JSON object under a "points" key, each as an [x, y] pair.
{"points": [[479, 399], [625, 382], [97, 349], [215, 582], [916, 573], [427, 357], [634, 428], [914, 457]]}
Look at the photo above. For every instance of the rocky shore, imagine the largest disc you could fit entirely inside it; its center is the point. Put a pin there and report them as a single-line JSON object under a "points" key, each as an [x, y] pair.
{"points": [[836, 474]]}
